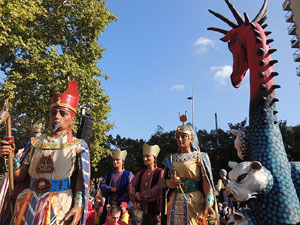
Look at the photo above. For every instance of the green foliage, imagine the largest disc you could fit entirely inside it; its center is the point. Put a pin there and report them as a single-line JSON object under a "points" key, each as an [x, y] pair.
{"points": [[218, 145], [42, 42], [291, 140]]}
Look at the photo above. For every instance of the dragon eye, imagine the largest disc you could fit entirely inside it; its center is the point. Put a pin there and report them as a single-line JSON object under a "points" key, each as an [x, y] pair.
{"points": [[241, 177]]}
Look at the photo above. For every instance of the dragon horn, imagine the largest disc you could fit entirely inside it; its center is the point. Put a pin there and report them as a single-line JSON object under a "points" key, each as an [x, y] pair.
{"points": [[235, 13], [222, 31], [247, 20], [223, 18], [262, 13]]}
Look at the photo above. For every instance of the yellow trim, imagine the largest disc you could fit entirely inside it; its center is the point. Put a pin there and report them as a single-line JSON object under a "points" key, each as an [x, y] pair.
{"points": [[62, 105]]}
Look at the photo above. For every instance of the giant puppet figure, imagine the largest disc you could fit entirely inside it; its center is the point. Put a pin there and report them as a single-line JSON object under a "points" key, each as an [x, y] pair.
{"points": [[269, 175], [59, 169], [146, 186], [188, 184], [115, 184]]}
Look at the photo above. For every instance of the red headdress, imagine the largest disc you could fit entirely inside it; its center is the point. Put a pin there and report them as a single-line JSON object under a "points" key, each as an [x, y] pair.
{"points": [[69, 99]]}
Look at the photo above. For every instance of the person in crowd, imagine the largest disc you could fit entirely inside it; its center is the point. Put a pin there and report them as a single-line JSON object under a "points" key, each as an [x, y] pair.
{"points": [[102, 204], [146, 186], [108, 216], [188, 192], [228, 214], [221, 188], [114, 186], [95, 214], [116, 213], [135, 216], [125, 214], [220, 210], [52, 161], [156, 220]]}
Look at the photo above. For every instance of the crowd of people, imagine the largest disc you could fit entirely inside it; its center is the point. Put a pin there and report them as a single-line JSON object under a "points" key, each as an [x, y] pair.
{"points": [[56, 171], [181, 193]]}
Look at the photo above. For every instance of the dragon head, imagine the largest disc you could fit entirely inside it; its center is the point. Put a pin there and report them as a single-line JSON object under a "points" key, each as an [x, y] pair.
{"points": [[239, 52], [237, 38]]}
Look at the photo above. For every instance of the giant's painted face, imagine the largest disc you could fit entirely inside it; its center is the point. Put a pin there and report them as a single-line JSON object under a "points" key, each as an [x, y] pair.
{"points": [[248, 179], [61, 119]]}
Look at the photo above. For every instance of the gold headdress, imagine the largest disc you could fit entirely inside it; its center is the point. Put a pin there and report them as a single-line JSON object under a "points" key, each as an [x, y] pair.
{"points": [[184, 129], [118, 154], [151, 149]]}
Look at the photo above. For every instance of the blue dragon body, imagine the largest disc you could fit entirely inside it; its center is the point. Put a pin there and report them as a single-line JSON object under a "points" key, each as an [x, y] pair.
{"points": [[249, 45]]}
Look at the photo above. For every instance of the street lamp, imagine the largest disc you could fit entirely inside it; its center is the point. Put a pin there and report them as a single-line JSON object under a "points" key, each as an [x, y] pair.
{"points": [[192, 98]]}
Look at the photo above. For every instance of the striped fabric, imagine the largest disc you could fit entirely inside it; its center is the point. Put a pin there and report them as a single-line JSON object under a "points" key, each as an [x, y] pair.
{"points": [[3, 190], [86, 171], [41, 209]]}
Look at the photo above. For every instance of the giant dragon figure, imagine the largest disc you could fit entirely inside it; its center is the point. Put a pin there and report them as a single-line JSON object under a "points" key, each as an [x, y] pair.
{"points": [[249, 44]]}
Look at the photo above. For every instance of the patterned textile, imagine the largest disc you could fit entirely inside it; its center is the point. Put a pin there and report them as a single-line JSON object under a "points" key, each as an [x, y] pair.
{"points": [[190, 185], [5, 211], [86, 172], [180, 209], [33, 208], [149, 185], [122, 189]]}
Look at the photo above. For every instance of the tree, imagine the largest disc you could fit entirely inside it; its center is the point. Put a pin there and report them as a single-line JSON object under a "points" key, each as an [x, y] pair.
{"points": [[291, 140], [42, 43]]}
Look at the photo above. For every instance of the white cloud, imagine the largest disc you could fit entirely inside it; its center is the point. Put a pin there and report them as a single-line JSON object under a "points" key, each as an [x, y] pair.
{"points": [[202, 45], [222, 74], [177, 87]]}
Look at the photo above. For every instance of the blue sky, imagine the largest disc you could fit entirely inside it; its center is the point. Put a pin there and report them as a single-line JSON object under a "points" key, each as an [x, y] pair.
{"points": [[159, 49]]}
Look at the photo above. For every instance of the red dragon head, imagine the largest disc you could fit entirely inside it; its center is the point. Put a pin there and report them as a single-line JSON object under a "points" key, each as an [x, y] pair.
{"points": [[238, 39]]}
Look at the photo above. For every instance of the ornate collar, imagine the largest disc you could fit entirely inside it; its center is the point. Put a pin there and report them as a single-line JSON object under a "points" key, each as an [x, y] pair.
{"points": [[49, 142], [181, 157]]}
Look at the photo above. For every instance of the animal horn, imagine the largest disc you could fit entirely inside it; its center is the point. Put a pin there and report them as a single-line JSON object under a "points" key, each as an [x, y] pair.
{"points": [[224, 19], [247, 20], [272, 50], [268, 33], [262, 12], [235, 12], [269, 41], [264, 18], [218, 30]]}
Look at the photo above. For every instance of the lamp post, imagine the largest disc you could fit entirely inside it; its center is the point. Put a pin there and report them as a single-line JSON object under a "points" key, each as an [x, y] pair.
{"points": [[192, 98], [216, 120]]}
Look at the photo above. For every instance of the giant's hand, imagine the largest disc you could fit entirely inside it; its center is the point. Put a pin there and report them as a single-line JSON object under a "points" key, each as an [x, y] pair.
{"points": [[172, 183], [210, 211], [6, 148], [76, 213]]}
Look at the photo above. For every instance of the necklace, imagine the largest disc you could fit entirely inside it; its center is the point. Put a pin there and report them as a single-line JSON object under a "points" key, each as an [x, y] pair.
{"points": [[115, 179], [45, 165]]}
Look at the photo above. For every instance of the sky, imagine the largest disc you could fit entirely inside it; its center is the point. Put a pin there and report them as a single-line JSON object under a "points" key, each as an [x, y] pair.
{"points": [[159, 50]]}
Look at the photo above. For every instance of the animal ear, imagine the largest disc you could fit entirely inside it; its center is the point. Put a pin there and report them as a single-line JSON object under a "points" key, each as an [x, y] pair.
{"points": [[232, 164], [238, 216], [234, 132], [256, 165]]}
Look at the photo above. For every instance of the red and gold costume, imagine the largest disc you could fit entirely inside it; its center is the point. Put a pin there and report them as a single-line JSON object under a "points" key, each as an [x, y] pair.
{"points": [[54, 164], [149, 185]]}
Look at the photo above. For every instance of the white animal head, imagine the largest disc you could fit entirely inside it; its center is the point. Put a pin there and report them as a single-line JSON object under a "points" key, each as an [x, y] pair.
{"points": [[237, 218], [248, 179], [239, 143]]}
